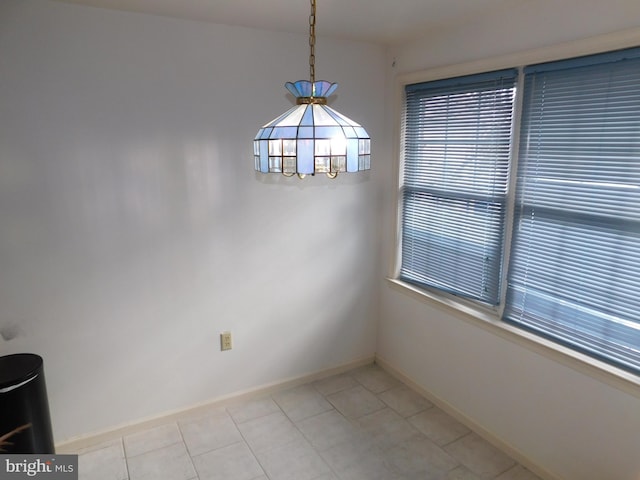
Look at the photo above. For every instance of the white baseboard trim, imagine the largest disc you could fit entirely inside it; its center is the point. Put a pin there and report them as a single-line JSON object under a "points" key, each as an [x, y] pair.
{"points": [[467, 421], [77, 444]]}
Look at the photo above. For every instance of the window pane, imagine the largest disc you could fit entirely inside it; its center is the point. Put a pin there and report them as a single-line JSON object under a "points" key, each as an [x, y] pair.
{"points": [[456, 136], [439, 250], [575, 264]]}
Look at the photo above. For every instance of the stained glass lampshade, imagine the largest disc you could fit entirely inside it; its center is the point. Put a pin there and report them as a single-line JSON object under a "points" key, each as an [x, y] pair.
{"points": [[311, 137]]}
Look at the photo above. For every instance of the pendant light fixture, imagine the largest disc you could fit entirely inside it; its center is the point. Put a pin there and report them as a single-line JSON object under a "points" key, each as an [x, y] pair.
{"points": [[311, 137]]}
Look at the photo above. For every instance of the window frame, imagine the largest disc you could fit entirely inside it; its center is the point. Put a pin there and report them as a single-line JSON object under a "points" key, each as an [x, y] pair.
{"points": [[458, 84], [484, 311], [487, 316]]}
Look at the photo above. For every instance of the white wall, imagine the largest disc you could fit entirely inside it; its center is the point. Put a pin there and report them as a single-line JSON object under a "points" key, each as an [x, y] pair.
{"points": [[134, 229], [567, 423]]}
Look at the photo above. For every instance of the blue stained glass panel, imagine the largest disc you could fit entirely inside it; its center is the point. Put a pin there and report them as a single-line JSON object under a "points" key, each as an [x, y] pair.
{"points": [[284, 132], [329, 132], [321, 88], [264, 156], [304, 88], [307, 118], [362, 133], [349, 132], [293, 90], [266, 132], [331, 89], [305, 156], [305, 132], [352, 155]]}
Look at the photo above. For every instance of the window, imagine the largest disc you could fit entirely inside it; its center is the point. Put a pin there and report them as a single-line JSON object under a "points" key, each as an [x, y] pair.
{"points": [[456, 159], [574, 255]]}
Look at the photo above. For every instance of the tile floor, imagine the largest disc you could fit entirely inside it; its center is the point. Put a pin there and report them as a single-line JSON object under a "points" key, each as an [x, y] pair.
{"points": [[359, 425]]}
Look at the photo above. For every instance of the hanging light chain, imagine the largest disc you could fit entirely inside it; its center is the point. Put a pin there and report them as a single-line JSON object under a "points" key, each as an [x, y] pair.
{"points": [[312, 42]]}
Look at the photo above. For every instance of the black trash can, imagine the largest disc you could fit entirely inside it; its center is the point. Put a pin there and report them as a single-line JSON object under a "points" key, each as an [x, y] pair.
{"points": [[24, 407]]}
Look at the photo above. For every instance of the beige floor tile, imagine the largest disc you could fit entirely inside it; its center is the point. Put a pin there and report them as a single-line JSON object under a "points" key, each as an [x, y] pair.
{"points": [[341, 455], [252, 409], [301, 402], [356, 402], [166, 463], [461, 473], [209, 432], [334, 384], [518, 473], [421, 456], [405, 401], [479, 456], [386, 428], [327, 476], [372, 468], [375, 379], [151, 439], [329, 429], [438, 426], [269, 432], [103, 462], [295, 461], [231, 462]]}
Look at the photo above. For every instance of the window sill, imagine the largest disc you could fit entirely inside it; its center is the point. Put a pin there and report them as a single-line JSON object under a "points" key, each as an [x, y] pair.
{"points": [[489, 321]]}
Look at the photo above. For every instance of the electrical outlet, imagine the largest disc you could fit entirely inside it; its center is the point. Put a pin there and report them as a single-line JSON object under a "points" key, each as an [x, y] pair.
{"points": [[225, 341]]}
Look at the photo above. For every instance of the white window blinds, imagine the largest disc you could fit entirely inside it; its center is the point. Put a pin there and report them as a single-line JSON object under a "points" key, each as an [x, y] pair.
{"points": [[456, 149], [575, 264]]}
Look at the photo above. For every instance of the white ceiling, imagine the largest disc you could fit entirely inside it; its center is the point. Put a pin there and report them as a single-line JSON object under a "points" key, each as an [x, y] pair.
{"points": [[387, 22]]}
